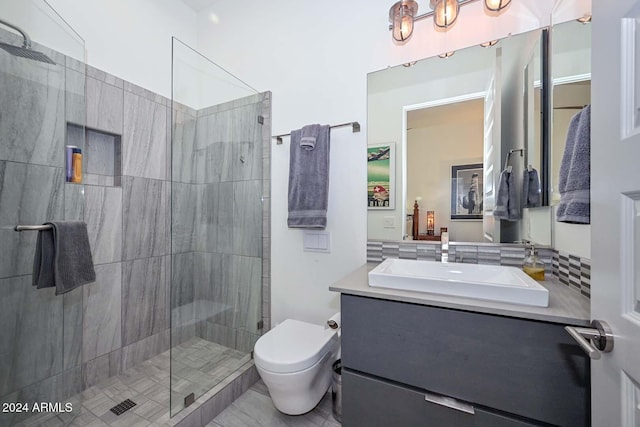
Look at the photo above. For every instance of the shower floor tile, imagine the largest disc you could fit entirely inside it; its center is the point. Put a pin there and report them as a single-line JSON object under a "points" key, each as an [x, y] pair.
{"points": [[198, 365]]}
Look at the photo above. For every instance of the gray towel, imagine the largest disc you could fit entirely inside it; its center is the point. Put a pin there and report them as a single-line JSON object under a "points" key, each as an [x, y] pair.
{"points": [[575, 172], [506, 198], [308, 136], [63, 257], [531, 189], [309, 179]]}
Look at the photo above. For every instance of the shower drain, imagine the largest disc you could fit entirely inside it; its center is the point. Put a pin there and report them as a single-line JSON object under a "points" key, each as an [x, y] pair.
{"points": [[123, 407]]}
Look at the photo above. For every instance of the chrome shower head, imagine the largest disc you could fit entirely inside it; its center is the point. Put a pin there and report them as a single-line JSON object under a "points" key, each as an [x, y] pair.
{"points": [[25, 51]]}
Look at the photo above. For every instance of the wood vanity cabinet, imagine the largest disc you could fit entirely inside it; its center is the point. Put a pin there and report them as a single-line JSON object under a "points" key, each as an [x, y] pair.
{"points": [[415, 365]]}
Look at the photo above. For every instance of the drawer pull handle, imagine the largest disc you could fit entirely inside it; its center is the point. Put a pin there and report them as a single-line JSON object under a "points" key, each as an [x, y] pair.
{"points": [[449, 402]]}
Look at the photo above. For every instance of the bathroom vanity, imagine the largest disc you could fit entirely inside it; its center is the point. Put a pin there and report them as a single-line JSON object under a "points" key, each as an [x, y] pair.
{"points": [[418, 359]]}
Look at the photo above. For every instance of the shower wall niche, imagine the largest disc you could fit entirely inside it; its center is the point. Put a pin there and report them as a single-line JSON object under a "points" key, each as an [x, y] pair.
{"points": [[101, 157]]}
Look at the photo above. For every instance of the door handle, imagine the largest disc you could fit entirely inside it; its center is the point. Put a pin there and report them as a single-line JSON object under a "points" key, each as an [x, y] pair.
{"points": [[595, 340]]}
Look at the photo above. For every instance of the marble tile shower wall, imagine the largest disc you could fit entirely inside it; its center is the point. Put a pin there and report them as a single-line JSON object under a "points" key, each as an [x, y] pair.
{"points": [[221, 233], [570, 269], [55, 346]]}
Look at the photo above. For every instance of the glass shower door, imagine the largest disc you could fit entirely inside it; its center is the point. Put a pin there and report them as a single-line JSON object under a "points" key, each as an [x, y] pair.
{"points": [[43, 91], [216, 224]]}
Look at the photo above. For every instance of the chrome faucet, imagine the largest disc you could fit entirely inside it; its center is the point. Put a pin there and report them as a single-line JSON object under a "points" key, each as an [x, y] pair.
{"points": [[444, 241]]}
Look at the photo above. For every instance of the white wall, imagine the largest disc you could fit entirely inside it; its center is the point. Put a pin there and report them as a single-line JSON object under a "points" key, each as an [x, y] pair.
{"points": [[129, 39], [315, 57]]}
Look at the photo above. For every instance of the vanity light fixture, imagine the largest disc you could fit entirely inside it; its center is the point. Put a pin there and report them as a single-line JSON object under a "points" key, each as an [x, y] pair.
{"points": [[586, 18], [490, 43], [496, 5], [447, 55], [401, 15], [445, 13]]}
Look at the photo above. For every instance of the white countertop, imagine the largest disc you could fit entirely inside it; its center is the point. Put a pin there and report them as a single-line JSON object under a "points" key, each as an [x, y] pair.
{"points": [[566, 305]]}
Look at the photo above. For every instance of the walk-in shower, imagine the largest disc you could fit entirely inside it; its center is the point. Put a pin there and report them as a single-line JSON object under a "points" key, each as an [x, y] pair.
{"points": [[175, 195]]}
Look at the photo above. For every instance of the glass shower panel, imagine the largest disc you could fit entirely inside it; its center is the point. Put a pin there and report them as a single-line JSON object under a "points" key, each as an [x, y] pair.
{"points": [[216, 224], [43, 93]]}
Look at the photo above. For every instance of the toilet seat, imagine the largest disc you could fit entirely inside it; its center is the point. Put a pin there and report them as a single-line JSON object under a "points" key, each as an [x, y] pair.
{"points": [[292, 346]]}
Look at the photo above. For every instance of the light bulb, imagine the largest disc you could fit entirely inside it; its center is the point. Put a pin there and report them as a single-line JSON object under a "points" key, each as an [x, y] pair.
{"points": [[445, 13], [403, 28], [401, 17], [496, 5]]}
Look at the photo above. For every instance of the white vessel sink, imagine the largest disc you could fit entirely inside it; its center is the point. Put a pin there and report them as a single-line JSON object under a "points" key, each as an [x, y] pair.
{"points": [[487, 282]]}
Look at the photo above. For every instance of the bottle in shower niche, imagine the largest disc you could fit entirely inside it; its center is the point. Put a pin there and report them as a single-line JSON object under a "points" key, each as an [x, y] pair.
{"points": [[533, 266], [69, 162], [77, 165]]}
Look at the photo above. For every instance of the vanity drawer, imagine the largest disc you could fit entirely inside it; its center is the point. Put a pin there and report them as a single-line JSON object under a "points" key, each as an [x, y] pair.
{"points": [[523, 367], [373, 402]]}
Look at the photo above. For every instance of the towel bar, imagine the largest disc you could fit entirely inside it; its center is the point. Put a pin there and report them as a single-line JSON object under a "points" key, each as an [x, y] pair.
{"points": [[513, 150], [33, 227], [355, 127]]}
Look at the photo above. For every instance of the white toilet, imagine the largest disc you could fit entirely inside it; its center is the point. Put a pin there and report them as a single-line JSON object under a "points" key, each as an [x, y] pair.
{"points": [[294, 360]]}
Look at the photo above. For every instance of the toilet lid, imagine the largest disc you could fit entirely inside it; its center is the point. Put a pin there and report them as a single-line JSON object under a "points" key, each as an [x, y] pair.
{"points": [[292, 346]]}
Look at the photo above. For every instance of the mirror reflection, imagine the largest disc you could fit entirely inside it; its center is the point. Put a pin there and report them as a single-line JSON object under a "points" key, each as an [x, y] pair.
{"points": [[447, 126], [452, 121], [571, 76]]}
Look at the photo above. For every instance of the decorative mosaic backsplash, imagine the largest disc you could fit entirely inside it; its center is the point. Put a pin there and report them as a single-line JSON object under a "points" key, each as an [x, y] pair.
{"points": [[570, 269], [573, 271]]}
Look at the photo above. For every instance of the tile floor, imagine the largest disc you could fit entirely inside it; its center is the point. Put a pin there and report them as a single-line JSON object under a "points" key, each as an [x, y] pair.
{"points": [[198, 365], [255, 409]]}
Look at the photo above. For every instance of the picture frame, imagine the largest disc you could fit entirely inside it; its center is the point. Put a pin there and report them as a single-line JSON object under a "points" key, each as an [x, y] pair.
{"points": [[381, 174], [467, 191]]}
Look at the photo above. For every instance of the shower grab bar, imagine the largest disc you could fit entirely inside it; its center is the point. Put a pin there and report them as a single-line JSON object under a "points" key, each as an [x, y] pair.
{"points": [[355, 127], [33, 227]]}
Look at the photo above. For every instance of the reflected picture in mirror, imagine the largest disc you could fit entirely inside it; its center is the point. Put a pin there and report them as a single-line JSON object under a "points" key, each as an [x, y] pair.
{"points": [[466, 191], [381, 176]]}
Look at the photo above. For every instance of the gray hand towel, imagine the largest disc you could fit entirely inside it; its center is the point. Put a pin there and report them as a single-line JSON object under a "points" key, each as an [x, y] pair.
{"points": [[506, 198], [531, 189], [308, 136], [575, 172], [43, 276], [309, 179], [63, 257]]}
